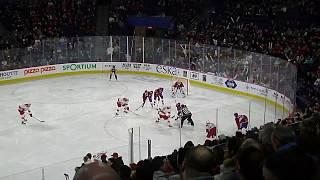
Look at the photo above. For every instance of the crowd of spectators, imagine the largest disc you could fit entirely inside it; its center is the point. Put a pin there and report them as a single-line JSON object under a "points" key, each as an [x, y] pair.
{"points": [[273, 152], [37, 19], [183, 11]]}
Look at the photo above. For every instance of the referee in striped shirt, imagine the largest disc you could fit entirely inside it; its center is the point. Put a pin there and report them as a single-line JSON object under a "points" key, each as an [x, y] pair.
{"points": [[185, 115]]}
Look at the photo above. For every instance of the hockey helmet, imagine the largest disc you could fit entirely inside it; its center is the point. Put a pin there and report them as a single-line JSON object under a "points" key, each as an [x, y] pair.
{"points": [[145, 91], [27, 104], [182, 105], [235, 114], [178, 105]]}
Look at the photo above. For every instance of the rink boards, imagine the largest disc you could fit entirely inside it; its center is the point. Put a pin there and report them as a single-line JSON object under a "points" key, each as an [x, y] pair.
{"points": [[207, 80]]}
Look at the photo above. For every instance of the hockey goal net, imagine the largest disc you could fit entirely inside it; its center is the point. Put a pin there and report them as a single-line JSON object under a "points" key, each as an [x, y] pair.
{"points": [[184, 81]]}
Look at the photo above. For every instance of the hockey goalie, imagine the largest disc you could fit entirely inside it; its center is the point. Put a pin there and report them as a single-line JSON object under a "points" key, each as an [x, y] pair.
{"points": [[122, 104], [164, 114], [23, 110], [211, 130], [178, 87]]}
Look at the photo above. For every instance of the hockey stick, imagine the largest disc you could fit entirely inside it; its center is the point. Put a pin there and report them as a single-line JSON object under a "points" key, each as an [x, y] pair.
{"points": [[139, 107], [37, 119], [135, 113]]}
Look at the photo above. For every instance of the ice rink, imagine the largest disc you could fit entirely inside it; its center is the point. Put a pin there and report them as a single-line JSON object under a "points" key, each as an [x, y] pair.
{"points": [[79, 118]]}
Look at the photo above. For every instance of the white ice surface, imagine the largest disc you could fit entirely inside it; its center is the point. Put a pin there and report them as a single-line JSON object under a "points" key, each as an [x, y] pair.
{"points": [[79, 112]]}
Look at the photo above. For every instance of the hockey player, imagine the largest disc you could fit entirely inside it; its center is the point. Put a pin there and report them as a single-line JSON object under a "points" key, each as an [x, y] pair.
{"points": [[23, 109], [122, 103], [184, 114], [113, 71], [178, 106], [178, 86], [164, 114], [147, 95], [211, 130], [241, 121], [157, 96]]}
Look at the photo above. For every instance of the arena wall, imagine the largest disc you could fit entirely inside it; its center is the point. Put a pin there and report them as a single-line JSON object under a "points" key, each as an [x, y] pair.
{"points": [[206, 80]]}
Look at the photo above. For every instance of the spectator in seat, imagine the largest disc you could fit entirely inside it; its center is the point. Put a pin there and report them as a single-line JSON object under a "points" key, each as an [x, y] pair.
{"points": [[309, 139], [233, 145], [116, 161], [188, 145], [290, 164], [265, 138], [86, 160], [144, 170], [104, 158], [168, 168], [96, 171], [157, 164], [198, 164], [250, 159], [89, 155], [229, 171], [282, 138], [125, 172]]}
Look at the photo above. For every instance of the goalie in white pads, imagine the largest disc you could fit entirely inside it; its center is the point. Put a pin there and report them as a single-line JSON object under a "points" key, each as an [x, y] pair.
{"points": [[164, 114], [23, 110], [178, 87], [122, 103]]}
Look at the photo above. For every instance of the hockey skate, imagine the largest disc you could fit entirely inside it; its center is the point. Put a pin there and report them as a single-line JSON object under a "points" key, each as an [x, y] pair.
{"points": [[24, 121]]}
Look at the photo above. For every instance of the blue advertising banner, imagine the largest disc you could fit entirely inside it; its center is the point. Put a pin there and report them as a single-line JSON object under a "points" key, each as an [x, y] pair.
{"points": [[160, 22]]}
